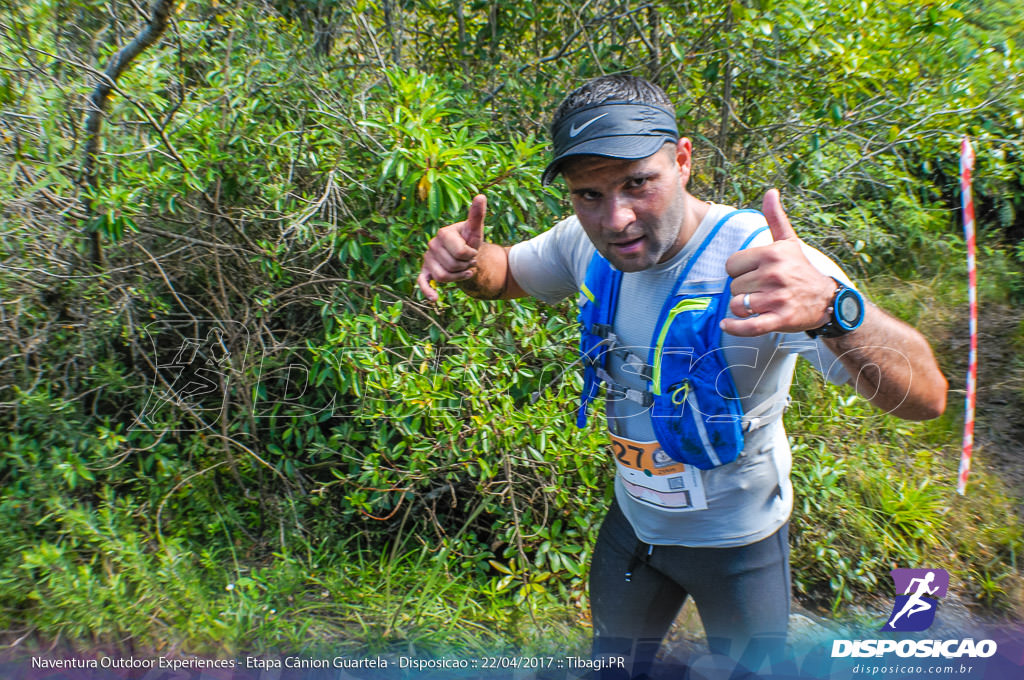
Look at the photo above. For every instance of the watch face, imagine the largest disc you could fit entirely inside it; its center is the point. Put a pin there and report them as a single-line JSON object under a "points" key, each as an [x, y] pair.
{"points": [[849, 309]]}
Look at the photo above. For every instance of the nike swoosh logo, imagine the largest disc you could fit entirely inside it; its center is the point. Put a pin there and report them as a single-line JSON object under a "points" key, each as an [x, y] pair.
{"points": [[573, 130]]}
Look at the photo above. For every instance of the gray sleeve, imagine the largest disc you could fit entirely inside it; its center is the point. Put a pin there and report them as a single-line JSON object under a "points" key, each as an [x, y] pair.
{"points": [[818, 353], [551, 266]]}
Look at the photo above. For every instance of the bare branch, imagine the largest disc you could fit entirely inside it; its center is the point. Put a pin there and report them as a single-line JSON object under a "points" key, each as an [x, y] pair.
{"points": [[155, 26]]}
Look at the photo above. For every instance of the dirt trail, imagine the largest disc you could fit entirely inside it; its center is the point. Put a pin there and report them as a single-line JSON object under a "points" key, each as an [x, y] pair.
{"points": [[999, 424]]}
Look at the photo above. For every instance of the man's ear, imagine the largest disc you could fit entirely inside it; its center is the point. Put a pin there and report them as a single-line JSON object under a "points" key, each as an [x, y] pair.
{"points": [[684, 154]]}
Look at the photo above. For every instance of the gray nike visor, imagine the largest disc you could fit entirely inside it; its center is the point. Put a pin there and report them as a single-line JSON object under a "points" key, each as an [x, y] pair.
{"points": [[624, 130]]}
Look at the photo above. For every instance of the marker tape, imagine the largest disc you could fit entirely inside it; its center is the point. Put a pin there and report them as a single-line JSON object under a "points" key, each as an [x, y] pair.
{"points": [[967, 203]]}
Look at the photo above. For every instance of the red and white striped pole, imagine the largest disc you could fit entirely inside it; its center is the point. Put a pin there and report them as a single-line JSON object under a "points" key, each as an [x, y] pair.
{"points": [[967, 203]]}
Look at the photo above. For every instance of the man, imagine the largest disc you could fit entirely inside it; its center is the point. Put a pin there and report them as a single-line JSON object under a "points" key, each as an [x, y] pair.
{"points": [[716, 528]]}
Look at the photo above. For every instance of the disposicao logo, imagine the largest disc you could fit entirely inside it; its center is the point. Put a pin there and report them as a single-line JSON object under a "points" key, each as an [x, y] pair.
{"points": [[917, 598], [914, 610]]}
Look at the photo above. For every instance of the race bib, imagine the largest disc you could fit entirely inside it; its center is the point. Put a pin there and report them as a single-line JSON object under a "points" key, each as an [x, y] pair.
{"points": [[650, 476]]}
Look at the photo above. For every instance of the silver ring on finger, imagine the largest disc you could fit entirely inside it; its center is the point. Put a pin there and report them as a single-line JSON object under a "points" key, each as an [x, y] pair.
{"points": [[746, 304]]}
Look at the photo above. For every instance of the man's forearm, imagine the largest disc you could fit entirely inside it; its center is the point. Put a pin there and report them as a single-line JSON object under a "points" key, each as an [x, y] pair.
{"points": [[892, 365]]}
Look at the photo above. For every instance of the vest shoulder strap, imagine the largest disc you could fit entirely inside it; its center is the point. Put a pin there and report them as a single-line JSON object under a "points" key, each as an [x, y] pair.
{"points": [[728, 236], [601, 287]]}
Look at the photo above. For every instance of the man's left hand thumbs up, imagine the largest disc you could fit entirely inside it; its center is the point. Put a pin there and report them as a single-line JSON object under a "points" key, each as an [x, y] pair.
{"points": [[775, 288], [778, 223]]}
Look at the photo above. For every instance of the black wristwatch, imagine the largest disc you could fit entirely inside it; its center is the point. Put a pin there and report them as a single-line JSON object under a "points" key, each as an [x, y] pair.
{"points": [[846, 313]]}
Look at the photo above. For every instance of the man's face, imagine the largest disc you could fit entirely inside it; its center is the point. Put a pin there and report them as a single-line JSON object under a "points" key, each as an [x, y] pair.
{"points": [[632, 210]]}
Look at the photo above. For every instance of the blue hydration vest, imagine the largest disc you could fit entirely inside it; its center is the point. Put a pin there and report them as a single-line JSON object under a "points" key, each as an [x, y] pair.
{"points": [[694, 407]]}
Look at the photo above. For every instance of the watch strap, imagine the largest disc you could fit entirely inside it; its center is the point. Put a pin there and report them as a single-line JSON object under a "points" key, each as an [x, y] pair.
{"points": [[832, 328]]}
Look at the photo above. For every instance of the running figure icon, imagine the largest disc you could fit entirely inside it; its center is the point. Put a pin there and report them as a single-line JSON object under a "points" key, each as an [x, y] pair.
{"points": [[914, 610], [916, 604]]}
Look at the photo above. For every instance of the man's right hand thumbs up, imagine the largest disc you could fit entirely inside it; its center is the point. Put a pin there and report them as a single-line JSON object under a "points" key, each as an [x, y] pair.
{"points": [[452, 254]]}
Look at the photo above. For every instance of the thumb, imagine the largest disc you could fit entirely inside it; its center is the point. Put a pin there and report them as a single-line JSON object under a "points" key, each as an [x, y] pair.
{"points": [[473, 228], [778, 223]]}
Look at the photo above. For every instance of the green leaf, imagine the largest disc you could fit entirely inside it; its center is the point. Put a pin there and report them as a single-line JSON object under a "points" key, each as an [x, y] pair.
{"points": [[499, 567]]}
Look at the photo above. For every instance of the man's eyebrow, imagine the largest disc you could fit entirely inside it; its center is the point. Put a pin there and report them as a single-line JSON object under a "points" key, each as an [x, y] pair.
{"points": [[641, 174], [649, 173], [583, 189]]}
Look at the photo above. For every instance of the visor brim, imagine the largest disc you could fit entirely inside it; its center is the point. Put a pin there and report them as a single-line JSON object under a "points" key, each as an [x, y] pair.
{"points": [[625, 147]]}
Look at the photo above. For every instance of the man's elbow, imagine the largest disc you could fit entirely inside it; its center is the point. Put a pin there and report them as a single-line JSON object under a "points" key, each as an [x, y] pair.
{"points": [[929, 411], [931, 403]]}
